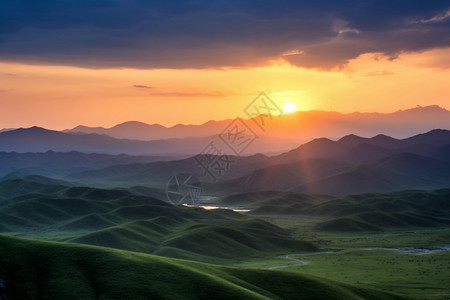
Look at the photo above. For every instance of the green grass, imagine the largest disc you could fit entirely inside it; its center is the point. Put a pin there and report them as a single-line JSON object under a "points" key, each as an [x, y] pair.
{"points": [[303, 228], [405, 274], [49, 270], [211, 241], [121, 220], [416, 276], [278, 199], [353, 213]]}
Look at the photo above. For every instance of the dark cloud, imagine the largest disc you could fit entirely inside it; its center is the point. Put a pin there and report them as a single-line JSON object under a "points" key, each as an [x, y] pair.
{"points": [[142, 86], [203, 34]]}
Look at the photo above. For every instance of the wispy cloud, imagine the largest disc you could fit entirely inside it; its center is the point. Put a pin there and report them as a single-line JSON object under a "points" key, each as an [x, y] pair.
{"points": [[190, 94], [293, 52], [437, 18], [142, 86], [378, 73], [287, 93]]}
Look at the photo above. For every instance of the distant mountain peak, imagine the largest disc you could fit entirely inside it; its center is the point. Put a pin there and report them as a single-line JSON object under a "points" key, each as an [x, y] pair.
{"points": [[322, 140], [82, 127], [317, 143], [33, 129], [136, 124], [352, 140], [429, 108]]}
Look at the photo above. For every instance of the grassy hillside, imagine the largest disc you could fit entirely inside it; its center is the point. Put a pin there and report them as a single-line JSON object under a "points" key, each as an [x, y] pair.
{"points": [[377, 211], [363, 212], [48, 270], [213, 240], [274, 202], [119, 219], [418, 276]]}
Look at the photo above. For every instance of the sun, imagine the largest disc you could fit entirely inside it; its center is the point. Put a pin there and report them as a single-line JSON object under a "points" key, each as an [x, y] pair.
{"points": [[289, 108]]}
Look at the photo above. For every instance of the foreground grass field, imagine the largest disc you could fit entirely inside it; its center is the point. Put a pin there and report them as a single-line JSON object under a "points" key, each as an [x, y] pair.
{"points": [[125, 221], [415, 276], [49, 270]]}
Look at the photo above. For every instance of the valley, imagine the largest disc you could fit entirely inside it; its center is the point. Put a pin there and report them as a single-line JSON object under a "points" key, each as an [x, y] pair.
{"points": [[233, 149], [369, 225]]}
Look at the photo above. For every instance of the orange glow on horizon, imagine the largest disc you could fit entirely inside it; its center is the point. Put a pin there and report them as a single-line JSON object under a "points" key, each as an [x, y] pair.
{"points": [[60, 97]]}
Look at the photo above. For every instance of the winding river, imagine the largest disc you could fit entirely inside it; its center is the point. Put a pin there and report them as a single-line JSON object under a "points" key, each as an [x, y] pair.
{"points": [[406, 250]]}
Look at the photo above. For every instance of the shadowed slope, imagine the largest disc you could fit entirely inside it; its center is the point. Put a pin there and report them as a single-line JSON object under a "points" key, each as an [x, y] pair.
{"points": [[45, 270]]}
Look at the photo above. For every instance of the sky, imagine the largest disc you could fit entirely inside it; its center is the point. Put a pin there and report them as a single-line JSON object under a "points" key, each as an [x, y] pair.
{"points": [[100, 63]]}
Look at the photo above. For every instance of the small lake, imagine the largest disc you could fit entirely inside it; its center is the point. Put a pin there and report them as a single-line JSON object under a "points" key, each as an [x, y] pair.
{"points": [[203, 204]]}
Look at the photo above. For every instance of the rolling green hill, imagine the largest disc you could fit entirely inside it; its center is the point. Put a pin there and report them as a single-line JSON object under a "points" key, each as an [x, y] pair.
{"points": [[363, 212], [400, 209], [119, 219], [48, 270], [274, 202]]}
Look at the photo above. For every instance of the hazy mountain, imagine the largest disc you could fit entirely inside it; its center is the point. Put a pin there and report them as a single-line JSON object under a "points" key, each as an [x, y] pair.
{"points": [[282, 176], [350, 165], [7, 129], [158, 173], [52, 163], [418, 166], [365, 179], [278, 134], [142, 131], [36, 139], [436, 137], [441, 153], [365, 153], [318, 148], [353, 165], [300, 126], [379, 140]]}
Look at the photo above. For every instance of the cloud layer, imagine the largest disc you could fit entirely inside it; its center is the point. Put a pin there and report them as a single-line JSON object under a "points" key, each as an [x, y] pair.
{"points": [[214, 34]]}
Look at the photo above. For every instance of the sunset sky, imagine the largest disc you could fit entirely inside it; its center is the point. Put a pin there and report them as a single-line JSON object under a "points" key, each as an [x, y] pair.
{"points": [[99, 63]]}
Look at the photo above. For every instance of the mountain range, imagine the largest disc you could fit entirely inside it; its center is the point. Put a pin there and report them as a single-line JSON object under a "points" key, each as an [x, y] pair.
{"points": [[301, 125], [278, 134], [354, 165], [85, 193], [348, 165]]}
